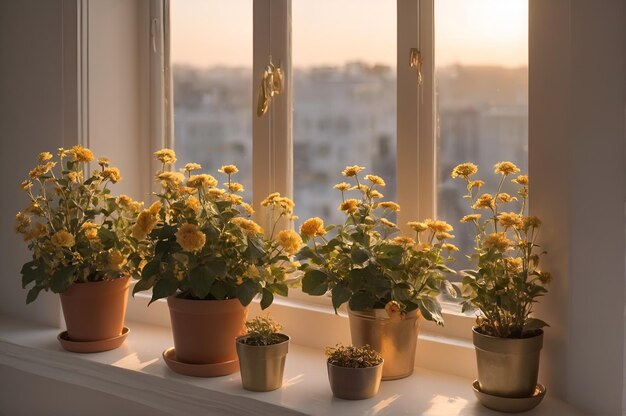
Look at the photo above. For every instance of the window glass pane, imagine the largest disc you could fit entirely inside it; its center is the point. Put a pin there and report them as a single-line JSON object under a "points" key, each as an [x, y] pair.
{"points": [[344, 57], [211, 57], [481, 71]]}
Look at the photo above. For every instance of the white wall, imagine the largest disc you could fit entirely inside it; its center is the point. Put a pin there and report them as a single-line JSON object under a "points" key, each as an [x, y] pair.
{"points": [[577, 169]]}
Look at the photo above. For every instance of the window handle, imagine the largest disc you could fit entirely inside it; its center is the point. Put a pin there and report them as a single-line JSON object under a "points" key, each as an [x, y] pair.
{"points": [[272, 83], [415, 61]]}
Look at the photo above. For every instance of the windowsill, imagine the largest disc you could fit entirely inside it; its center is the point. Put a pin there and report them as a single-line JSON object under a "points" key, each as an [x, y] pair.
{"points": [[137, 372]]}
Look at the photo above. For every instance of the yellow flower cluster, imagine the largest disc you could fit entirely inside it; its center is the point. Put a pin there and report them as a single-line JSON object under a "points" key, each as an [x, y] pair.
{"points": [[166, 156], [470, 217], [499, 241], [112, 174], [485, 201], [284, 204], [290, 241], [146, 220], [313, 227], [438, 226], [464, 170], [343, 186], [350, 171], [417, 226], [349, 206], [63, 238], [386, 222], [392, 206], [510, 220], [375, 180], [505, 168], [228, 169], [191, 167], [81, 154], [190, 238], [202, 181], [248, 226]]}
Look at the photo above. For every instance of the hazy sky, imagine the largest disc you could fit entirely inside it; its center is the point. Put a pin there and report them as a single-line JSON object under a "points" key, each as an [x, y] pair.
{"points": [[332, 32]]}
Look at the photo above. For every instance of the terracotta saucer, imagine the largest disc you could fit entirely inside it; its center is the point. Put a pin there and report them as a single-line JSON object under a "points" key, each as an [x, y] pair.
{"points": [[509, 404], [92, 346], [199, 370]]}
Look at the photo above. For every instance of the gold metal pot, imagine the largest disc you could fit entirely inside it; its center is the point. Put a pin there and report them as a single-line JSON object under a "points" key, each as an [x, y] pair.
{"points": [[507, 367], [262, 367], [354, 383], [394, 340]]}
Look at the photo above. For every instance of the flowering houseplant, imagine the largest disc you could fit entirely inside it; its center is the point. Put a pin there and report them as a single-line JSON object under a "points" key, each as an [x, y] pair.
{"points": [[77, 231], [508, 280], [367, 264], [199, 242]]}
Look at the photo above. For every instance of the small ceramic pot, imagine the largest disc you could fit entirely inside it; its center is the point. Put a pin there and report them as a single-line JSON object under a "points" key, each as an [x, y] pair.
{"points": [[95, 311], [507, 367], [262, 367], [354, 383]]}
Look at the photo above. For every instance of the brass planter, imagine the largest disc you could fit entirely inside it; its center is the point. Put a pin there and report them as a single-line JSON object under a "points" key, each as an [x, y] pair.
{"points": [[394, 340], [262, 367], [507, 367], [354, 383]]}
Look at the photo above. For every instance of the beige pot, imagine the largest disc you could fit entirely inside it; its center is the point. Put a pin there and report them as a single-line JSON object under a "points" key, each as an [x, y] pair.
{"points": [[95, 311], [394, 340], [205, 330], [354, 383], [262, 367], [507, 367]]}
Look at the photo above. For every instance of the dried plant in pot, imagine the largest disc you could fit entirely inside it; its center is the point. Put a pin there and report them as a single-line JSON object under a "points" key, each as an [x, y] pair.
{"points": [[354, 373], [81, 243], [205, 254], [388, 280], [505, 285], [262, 353]]}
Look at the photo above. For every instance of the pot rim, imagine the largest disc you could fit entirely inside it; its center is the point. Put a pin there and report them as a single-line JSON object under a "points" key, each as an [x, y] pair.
{"points": [[372, 314], [357, 369], [507, 345], [242, 337], [113, 285], [203, 306], [474, 330]]}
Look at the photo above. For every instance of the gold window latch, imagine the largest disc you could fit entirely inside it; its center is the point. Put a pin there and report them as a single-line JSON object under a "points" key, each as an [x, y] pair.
{"points": [[415, 61], [272, 83]]}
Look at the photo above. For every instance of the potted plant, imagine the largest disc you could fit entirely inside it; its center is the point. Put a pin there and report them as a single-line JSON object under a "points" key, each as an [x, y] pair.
{"points": [[387, 279], [79, 236], [262, 352], [506, 284], [209, 259], [354, 373]]}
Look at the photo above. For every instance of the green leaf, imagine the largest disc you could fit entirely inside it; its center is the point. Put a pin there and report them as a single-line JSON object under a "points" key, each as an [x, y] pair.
{"points": [[33, 293], [306, 253], [143, 284], [247, 291], [62, 279], [201, 279], [107, 237], [533, 324], [218, 291], [358, 255], [152, 268], [267, 299], [217, 267], [361, 301], [431, 310], [450, 289], [280, 288], [340, 295], [164, 287], [315, 282], [253, 252]]}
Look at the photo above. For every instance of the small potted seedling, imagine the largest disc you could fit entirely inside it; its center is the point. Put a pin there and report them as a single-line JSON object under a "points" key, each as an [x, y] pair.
{"points": [[354, 373], [262, 354]]}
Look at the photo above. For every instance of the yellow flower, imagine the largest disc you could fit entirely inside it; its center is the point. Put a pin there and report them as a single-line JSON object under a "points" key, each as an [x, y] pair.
{"points": [[202, 181], [438, 226], [498, 241], [25, 185], [470, 217], [362, 188], [290, 241], [251, 273], [374, 194], [343, 186], [63, 239], [145, 223], [63, 152], [392, 206], [190, 238], [417, 226], [504, 197], [228, 169], [505, 168], [442, 235], [449, 247], [104, 162], [216, 192], [464, 170], [192, 166], [485, 201], [233, 199], [510, 220], [250, 227], [155, 208], [194, 204], [91, 233], [88, 225], [523, 192], [270, 199], [234, 187], [35, 208], [422, 247], [112, 174], [37, 231], [171, 178], [521, 179], [403, 241], [376, 180], [44, 156], [286, 205], [81, 154], [514, 263], [475, 184], [386, 222], [74, 176], [349, 205], [312, 227], [41, 170], [127, 202], [531, 222], [116, 260], [352, 170], [22, 221], [166, 156]]}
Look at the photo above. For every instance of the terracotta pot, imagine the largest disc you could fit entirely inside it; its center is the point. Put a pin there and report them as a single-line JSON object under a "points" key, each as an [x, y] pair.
{"points": [[354, 383], [205, 330], [507, 367], [394, 340], [95, 311], [262, 366]]}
